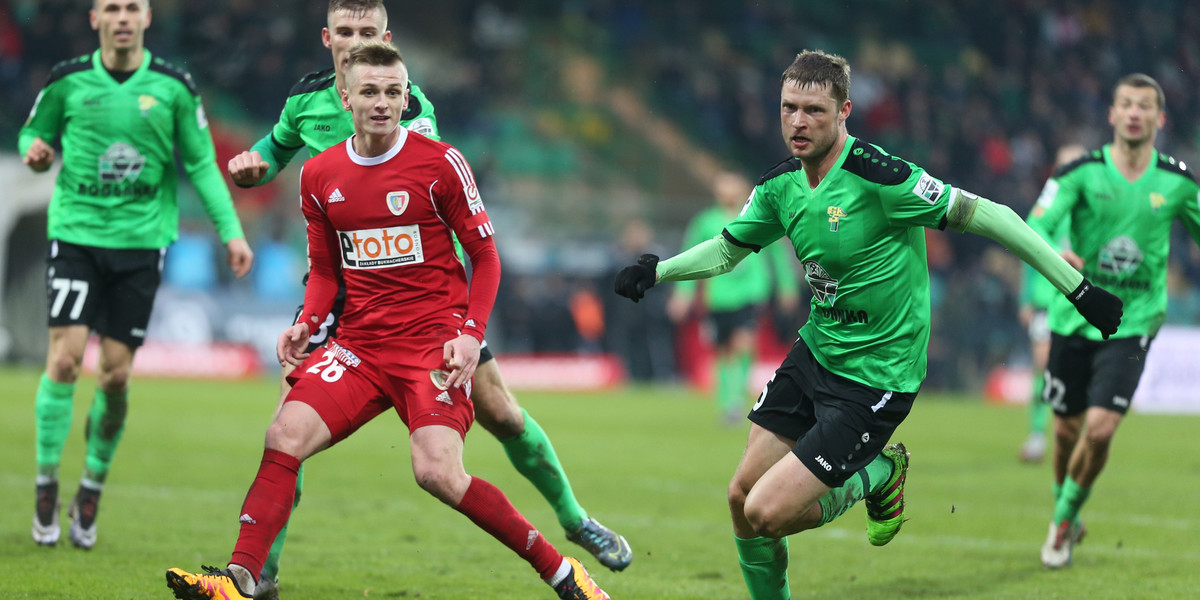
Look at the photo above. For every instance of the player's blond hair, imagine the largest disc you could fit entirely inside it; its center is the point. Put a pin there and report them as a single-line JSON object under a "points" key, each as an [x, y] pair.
{"points": [[374, 53], [1142, 80], [814, 68]]}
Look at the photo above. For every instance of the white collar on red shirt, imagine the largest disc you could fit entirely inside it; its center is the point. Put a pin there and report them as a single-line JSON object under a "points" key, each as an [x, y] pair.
{"points": [[370, 161]]}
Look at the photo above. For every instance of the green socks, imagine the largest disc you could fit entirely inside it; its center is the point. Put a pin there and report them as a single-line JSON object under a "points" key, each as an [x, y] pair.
{"points": [[1039, 410], [533, 455], [53, 410], [106, 423], [1070, 500], [764, 563], [270, 568], [868, 479], [731, 384]]}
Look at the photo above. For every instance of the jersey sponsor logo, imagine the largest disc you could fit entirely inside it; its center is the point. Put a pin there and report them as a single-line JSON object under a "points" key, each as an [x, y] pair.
{"points": [[423, 126], [835, 215], [844, 315], [115, 189], [336, 196], [1120, 256], [120, 163], [929, 188], [823, 286], [397, 202], [1157, 200], [381, 248], [146, 102]]}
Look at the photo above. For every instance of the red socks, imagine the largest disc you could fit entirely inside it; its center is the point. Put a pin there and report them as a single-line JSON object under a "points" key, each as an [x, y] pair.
{"points": [[266, 509], [490, 509]]}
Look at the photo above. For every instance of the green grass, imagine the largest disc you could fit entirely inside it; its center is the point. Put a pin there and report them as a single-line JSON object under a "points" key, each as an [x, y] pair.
{"points": [[651, 463]]}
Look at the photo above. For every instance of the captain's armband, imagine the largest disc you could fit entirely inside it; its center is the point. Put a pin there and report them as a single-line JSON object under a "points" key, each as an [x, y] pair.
{"points": [[961, 209]]}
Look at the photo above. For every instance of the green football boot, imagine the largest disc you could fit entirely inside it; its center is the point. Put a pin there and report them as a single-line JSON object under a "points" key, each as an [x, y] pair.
{"points": [[885, 509]]}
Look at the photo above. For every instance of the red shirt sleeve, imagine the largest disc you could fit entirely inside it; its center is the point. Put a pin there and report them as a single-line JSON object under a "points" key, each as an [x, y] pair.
{"points": [[458, 198], [324, 256]]}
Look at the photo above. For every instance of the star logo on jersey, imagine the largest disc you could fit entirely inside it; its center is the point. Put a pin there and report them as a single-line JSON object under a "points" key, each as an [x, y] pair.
{"points": [[145, 103], [1157, 200], [397, 202], [835, 215], [119, 163], [823, 286], [336, 196]]}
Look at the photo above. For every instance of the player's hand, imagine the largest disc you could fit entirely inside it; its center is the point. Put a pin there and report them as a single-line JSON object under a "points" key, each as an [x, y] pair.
{"points": [[1072, 259], [40, 155], [462, 356], [248, 168], [1100, 308], [241, 257], [292, 343], [633, 281]]}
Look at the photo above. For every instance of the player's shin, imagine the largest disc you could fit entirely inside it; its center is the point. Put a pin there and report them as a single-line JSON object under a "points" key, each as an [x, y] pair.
{"points": [[491, 510], [266, 509], [764, 563], [105, 426], [53, 408], [270, 569], [533, 456]]}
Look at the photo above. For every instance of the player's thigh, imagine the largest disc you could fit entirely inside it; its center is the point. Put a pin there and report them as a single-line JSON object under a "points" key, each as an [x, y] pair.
{"points": [[1069, 371], [299, 430], [1118, 365], [763, 449], [74, 280], [496, 408], [127, 299], [421, 397], [437, 464], [347, 390], [784, 495]]}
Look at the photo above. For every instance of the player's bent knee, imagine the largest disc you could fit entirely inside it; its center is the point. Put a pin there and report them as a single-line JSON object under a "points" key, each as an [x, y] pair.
{"points": [[287, 440], [766, 522], [63, 367], [442, 483]]}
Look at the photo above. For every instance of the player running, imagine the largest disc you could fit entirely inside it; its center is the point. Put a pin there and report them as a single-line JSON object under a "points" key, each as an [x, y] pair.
{"points": [[313, 119], [1121, 202], [122, 113], [380, 210], [854, 215]]}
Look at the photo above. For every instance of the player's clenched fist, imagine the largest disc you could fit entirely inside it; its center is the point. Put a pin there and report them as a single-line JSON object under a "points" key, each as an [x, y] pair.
{"points": [[247, 168], [40, 155]]}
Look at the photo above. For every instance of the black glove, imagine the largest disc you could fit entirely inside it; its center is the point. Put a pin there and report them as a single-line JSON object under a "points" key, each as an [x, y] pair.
{"points": [[633, 281], [1100, 308]]}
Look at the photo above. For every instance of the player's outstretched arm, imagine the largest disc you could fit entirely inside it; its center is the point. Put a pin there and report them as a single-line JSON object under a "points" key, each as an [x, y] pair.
{"points": [[704, 260], [972, 214]]}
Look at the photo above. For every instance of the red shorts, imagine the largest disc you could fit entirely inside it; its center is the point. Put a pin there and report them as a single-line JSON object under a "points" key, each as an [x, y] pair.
{"points": [[348, 388]]}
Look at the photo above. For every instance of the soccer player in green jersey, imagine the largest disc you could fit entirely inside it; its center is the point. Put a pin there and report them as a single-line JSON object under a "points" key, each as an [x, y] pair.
{"points": [[733, 303], [313, 118], [1117, 205], [854, 216], [1036, 294], [121, 114]]}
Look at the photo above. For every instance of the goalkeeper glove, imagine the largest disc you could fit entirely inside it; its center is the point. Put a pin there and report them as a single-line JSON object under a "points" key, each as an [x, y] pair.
{"points": [[1100, 308], [633, 281]]}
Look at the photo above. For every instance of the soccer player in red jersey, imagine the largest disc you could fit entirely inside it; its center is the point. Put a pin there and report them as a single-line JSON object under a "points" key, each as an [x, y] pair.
{"points": [[381, 208]]}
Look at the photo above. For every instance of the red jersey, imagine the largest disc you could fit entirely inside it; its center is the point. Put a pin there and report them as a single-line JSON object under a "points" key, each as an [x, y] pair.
{"points": [[383, 224]]}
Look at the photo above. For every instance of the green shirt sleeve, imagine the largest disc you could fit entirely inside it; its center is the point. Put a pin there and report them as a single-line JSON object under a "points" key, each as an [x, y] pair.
{"points": [[707, 259], [45, 118], [194, 142], [276, 156], [1000, 223]]}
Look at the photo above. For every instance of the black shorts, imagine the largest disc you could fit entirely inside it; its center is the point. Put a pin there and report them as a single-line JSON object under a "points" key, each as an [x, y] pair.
{"points": [[725, 322], [109, 290], [1082, 373], [329, 327], [839, 425]]}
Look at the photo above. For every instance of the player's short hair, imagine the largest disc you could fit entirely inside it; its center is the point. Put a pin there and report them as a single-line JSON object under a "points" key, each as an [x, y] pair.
{"points": [[817, 69], [375, 53], [1142, 80], [358, 7], [96, 3]]}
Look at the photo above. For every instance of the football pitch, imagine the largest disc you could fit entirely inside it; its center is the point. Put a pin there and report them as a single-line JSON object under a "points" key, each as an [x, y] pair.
{"points": [[652, 463]]}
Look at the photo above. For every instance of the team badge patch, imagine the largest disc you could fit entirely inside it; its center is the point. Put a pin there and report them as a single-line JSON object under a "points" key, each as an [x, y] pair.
{"points": [[397, 202], [439, 377], [145, 103]]}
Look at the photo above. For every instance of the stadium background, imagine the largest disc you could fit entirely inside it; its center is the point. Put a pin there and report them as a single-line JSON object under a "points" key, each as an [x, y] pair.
{"points": [[595, 127]]}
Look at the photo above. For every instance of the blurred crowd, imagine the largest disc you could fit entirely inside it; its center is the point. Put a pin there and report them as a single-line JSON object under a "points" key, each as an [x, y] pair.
{"points": [[980, 94]]}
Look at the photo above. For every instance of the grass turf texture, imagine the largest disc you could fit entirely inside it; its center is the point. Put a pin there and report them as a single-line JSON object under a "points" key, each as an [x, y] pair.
{"points": [[651, 463]]}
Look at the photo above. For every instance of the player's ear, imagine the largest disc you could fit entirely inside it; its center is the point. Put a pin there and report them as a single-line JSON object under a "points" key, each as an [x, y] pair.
{"points": [[345, 94], [387, 36], [149, 13], [326, 38], [94, 20]]}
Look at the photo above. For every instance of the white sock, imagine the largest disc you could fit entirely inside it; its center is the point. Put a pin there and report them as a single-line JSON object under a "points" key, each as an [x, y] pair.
{"points": [[564, 571], [243, 578]]}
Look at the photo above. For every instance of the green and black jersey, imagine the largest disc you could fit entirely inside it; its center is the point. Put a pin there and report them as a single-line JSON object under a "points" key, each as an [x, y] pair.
{"points": [[117, 186], [1121, 230], [749, 284], [313, 118], [860, 237]]}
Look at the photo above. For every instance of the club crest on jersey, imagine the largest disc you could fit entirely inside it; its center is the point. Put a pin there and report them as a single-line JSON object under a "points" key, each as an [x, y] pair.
{"points": [[835, 215], [439, 377], [397, 202], [1157, 200], [145, 103]]}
